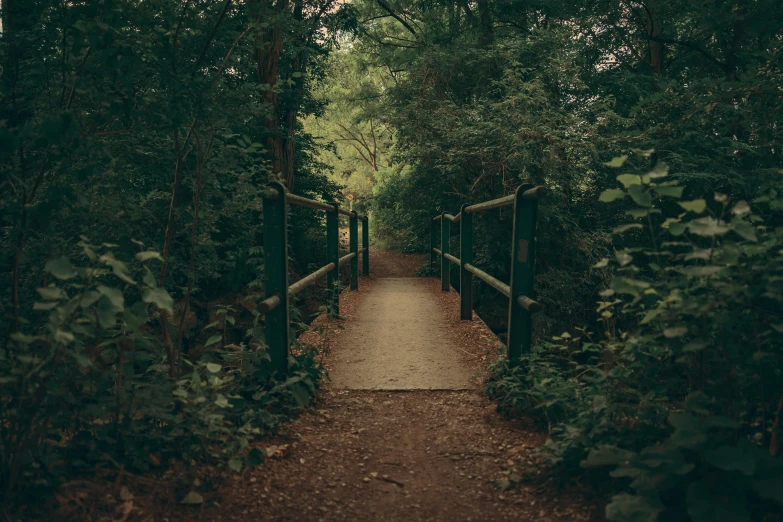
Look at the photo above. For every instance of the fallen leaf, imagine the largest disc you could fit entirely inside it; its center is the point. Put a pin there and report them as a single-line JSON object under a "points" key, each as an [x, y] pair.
{"points": [[192, 498]]}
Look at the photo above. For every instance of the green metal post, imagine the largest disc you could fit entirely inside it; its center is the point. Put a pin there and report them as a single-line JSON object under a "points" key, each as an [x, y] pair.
{"points": [[354, 244], [445, 237], [366, 246], [276, 276], [433, 244], [523, 255], [465, 257], [333, 256]]}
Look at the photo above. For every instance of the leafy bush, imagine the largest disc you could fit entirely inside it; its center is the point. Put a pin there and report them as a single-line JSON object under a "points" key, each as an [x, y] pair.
{"points": [[679, 397], [90, 385]]}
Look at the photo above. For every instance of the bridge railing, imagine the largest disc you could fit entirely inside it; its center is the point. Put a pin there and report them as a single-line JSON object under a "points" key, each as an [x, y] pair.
{"points": [[519, 292], [277, 289]]}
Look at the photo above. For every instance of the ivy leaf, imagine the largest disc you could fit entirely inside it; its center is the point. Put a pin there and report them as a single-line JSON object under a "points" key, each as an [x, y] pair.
{"points": [[607, 196], [60, 268], [697, 205], [617, 162]]}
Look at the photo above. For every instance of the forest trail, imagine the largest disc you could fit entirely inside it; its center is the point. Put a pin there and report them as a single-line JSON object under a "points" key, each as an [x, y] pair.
{"points": [[381, 455]]}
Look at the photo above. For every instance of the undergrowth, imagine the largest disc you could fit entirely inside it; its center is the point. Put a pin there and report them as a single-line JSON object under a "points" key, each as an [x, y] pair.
{"points": [[675, 406], [85, 384]]}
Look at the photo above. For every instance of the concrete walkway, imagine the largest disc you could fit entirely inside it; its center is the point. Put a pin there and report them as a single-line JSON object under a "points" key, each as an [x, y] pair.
{"points": [[400, 340]]}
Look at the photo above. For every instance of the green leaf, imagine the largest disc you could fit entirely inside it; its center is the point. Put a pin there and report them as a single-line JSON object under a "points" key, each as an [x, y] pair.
{"points": [[640, 196], [51, 293], [745, 230], [626, 285], [607, 196], [707, 227], [625, 228], [731, 458], [602, 263], [660, 170], [60, 268], [617, 162], [146, 256], [89, 298], [214, 367], [254, 457], [160, 297], [702, 271], [633, 508], [638, 212], [697, 205], [114, 296], [623, 258], [235, 465], [677, 229], [607, 455], [214, 339], [45, 306], [678, 331], [669, 190], [725, 504], [629, 179], [230, 319], [741, 208]]}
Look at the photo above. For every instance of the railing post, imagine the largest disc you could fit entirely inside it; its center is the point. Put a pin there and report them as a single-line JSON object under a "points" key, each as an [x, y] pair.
{"points": [[433, 244], [276, 276], [445, 237], [366, 246], [465, 257], [333, 256], [523, 255], [353, 241]]}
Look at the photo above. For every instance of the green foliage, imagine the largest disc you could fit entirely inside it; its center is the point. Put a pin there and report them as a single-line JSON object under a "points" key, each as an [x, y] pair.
{"points": [[678, 395], [90, 385], [156, 123]]}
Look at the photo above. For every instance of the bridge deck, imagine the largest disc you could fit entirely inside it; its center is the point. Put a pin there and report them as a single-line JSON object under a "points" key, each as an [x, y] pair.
{"points": [[400, 339]]}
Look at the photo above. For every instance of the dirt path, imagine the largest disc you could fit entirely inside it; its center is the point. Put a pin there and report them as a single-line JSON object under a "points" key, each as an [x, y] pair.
{"points": [[400, 339], [421, 455], [378, 455]]}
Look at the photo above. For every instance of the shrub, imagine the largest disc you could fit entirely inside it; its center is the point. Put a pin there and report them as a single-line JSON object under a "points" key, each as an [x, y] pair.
{"points": [[679, 397]]}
